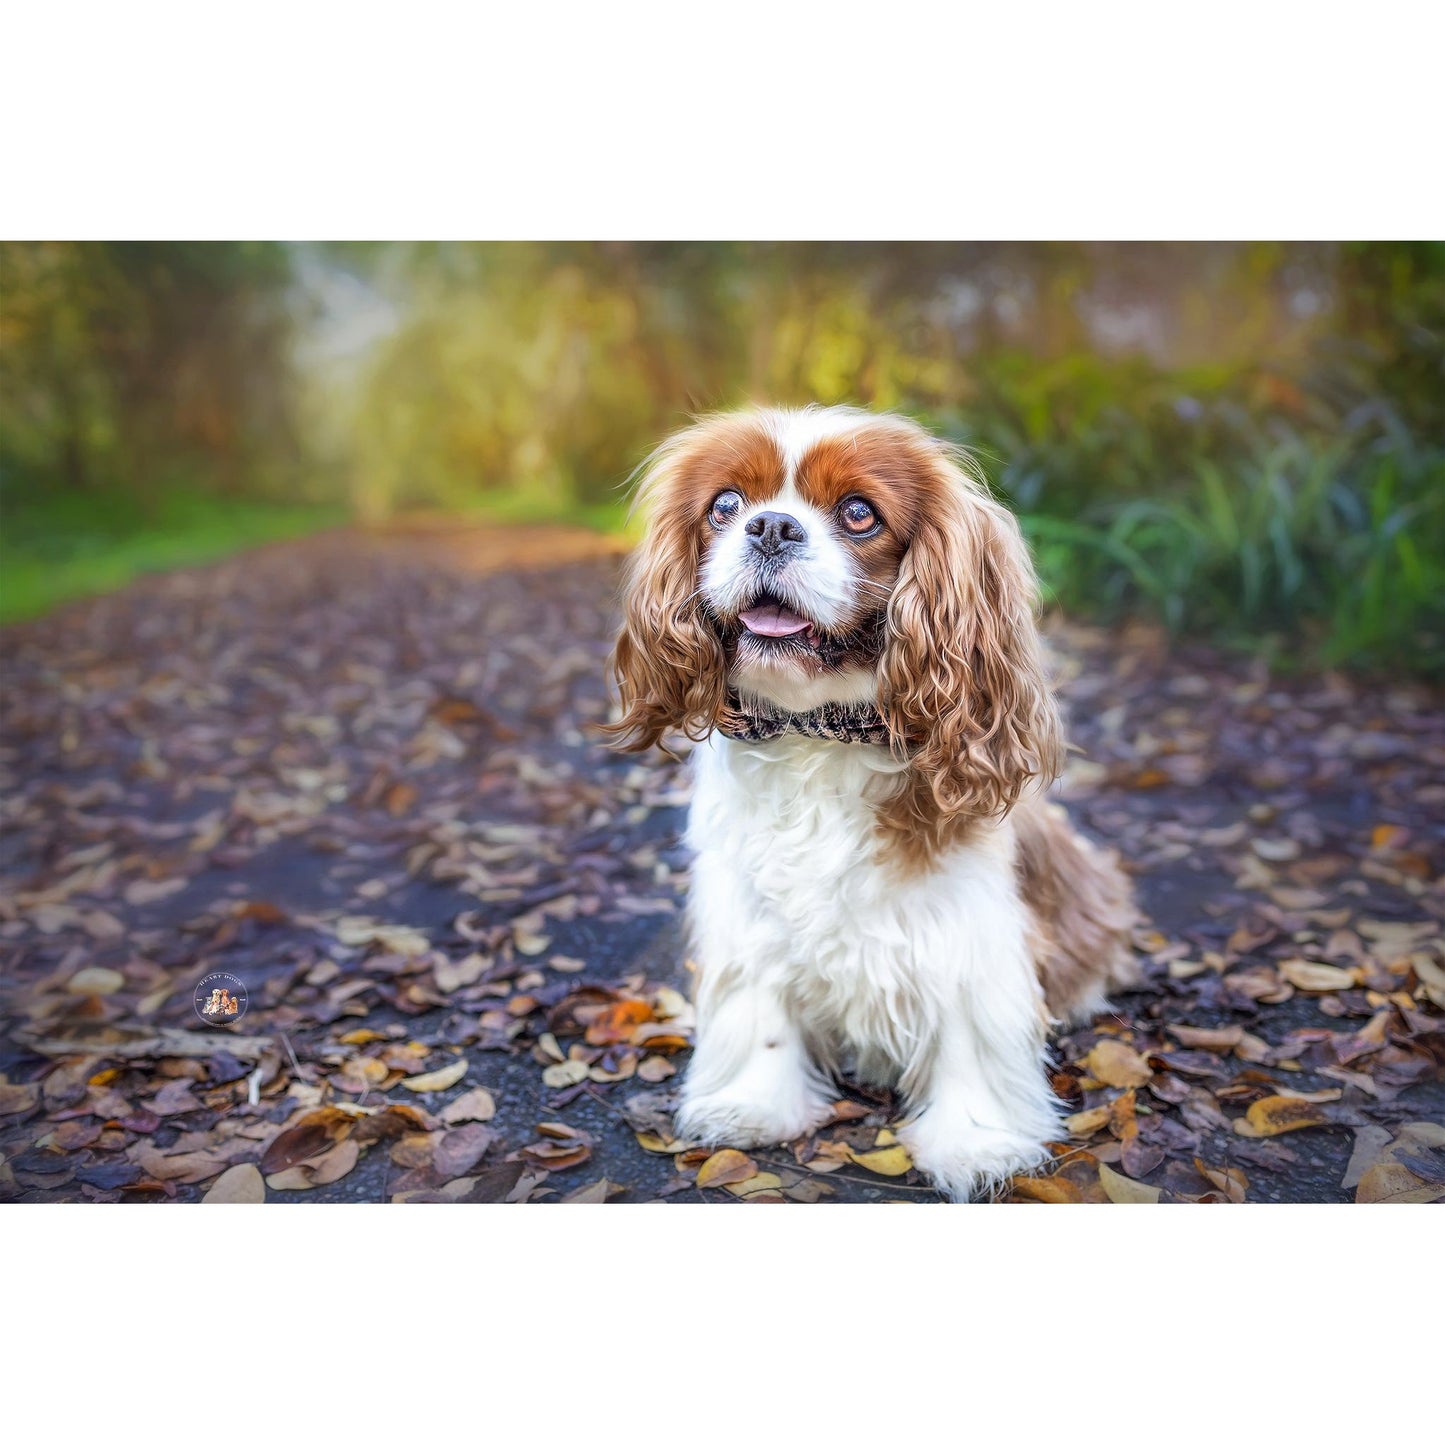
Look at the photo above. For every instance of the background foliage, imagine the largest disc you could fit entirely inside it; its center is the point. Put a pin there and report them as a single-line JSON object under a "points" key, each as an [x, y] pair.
{"points": [[1243, 441]]}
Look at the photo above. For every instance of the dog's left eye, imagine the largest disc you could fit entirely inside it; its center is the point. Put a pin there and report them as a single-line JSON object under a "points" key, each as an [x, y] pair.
{"points": [[858, 517]]}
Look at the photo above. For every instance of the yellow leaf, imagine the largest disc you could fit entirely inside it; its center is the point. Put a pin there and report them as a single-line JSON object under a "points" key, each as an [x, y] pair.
{"points": [[727, 1166], [1090, 1121], [1279, 1115], [656, 1144], [892, 1161], [1117, 1065], [437, 1080], [1316, 977], [754, 1184], [1123, 1190], [96, 981], [240, 1184]]}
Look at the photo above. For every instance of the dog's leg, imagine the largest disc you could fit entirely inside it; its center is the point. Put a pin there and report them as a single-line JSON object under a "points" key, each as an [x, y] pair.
{"points": [[979, 1100], [985, 1113], [751, 1080]]}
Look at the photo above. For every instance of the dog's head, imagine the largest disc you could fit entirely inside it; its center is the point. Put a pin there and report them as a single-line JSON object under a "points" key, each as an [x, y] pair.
{"points": [[830, 555]]}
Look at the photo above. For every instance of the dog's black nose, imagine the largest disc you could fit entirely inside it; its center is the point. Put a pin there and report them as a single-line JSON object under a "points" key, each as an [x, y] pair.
{"points": [[774, 532]]}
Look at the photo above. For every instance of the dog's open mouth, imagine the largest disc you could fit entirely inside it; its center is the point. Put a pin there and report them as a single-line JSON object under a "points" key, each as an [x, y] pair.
{"points": [[771, 618]]}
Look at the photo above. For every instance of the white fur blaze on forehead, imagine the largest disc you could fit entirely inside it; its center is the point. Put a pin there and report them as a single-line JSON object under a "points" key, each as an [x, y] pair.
{"points": [[797, 431]]}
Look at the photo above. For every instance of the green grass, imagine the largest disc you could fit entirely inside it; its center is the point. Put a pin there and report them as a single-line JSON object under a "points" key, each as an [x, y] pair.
{"points": [[62, 547]]}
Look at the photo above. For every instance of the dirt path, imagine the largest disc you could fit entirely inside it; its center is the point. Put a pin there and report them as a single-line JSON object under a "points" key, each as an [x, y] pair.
{"points": [[354, 775]]}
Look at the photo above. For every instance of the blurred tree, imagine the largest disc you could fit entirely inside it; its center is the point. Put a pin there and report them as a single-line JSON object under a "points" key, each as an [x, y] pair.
{"points": [[140, 366]]}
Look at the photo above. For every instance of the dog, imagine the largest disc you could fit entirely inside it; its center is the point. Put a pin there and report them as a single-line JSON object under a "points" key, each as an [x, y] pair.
{"points": [[830, 604]]}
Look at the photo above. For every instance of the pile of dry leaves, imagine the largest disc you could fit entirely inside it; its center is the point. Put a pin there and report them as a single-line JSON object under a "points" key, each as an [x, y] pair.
{"points": [[363, 783]]}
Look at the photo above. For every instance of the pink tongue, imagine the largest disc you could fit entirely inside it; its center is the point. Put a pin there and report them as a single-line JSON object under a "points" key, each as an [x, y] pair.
{"points": [[773, 621]]}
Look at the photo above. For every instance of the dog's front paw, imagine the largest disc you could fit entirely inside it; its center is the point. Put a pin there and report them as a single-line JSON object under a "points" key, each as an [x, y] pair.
{"points": [[969, 1160], [735, 1117]]}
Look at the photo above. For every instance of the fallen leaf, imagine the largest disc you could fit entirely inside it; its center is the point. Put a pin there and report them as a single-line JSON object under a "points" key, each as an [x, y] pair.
{"points": [[596, 1193], [892, 1160], [615, 1024], [1089, 1121], [324, 1169], [727, 1166], [1045, 1189], [476, 1105], [1276, 1114], [1392, 1183], [96, 981], [1232, 1183], [1117, 1065], [1370, 1139], [1220, 1040], [17, 1098], [451, 976], [756, 1185], [1123, 1190], [240, 1184], [1316, 977], [568, 1072], [438, 1080]]}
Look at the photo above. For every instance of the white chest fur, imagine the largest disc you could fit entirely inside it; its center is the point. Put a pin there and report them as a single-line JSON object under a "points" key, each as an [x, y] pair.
{"points": [[816, 956], [789, 887]]}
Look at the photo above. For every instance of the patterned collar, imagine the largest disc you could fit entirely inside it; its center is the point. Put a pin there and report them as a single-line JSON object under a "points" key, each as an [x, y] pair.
{"points": [[753, 722]]}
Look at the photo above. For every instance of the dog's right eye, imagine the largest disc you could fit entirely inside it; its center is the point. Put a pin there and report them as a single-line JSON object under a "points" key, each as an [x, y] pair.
{"points": [[725, 506]]}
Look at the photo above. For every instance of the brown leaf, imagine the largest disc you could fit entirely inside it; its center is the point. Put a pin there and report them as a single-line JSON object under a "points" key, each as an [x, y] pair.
{"points": [[1218, 1040], [1389, 1182], [312, 1134], [324, 1169], [451, 976], [476, 1105], [17, 1098], [413, 1151], [654, 1069], [1045, 1189], [1317, 977], [459, 1150], [240, 1184], [598, 1192], [1229, 1182], [173, 1098], [1123, 1190]]}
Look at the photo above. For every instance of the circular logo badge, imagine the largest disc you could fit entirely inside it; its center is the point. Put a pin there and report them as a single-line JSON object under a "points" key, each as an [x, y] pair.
{"points": [[220, 999]]}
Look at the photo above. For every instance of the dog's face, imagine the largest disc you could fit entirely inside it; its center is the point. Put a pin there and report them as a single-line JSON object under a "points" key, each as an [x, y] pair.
{"points": [[829, 555], [800, 552]]}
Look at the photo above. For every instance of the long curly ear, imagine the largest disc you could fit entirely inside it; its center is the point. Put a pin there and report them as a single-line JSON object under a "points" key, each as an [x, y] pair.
{"points": [[961, 679], [667, 662]]}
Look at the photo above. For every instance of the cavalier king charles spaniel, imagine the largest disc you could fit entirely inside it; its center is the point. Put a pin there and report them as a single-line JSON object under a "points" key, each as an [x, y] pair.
{"points": [[830, 604]]}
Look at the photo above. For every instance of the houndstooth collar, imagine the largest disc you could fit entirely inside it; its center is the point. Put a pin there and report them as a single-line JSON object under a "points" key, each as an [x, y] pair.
{"points": [[752, 722]]}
